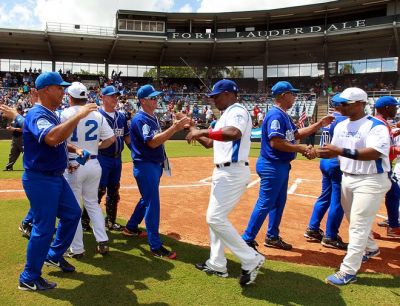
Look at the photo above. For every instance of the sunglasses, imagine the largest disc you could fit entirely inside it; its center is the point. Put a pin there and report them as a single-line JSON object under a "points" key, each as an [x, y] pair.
{"points": [[349, 103]]}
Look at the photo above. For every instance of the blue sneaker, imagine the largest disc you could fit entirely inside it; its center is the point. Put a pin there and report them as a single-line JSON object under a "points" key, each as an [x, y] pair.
{"points": [[368, 254], [341, 278], [62, 264], [39, 284]]}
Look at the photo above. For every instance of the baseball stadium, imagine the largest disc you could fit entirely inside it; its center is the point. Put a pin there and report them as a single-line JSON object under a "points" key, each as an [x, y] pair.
{"points": [[158, 88]]}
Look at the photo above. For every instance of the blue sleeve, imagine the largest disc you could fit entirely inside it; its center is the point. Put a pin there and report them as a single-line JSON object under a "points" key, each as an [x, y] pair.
{"points": [[39, 127], [275, 126], [20, 120], [143, 130]]}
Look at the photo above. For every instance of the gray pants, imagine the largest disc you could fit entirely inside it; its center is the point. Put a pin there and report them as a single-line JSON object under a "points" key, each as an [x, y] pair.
{"points": [[16, 149]]}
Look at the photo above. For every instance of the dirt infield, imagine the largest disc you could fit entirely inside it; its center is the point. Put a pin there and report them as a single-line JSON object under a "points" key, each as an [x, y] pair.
{"points": [[184, 200]]}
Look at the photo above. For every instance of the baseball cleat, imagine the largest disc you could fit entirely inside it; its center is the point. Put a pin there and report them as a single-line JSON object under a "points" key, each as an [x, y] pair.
{"points": [[25, 229], [340, 278], [384, 223], [393, 232], [163, 252], [203, 267], [74, 255], [102, 248], [368, 254], [334, 243], [253, 244], [39, 284], [277, 243], [62, 264], [314, 235], [134, 233], [114, 226], [249, 276]]}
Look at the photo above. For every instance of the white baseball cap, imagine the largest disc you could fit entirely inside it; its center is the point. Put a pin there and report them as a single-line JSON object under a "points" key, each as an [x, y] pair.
{"points": [[354, 94], [78, 91]]}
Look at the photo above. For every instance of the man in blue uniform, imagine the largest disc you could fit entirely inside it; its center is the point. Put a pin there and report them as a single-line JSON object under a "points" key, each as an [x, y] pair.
{"points": [[45, 160], [278, 148], [110, 159], [330, 194], [149, 157]]}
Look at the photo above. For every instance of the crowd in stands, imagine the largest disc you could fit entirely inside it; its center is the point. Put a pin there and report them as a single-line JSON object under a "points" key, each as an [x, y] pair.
{"points": [[188, 95]]}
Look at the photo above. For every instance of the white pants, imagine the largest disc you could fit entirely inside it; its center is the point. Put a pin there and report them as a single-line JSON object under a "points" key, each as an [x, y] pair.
{"points": [[84, 183], [361, 197], [228, 185]]}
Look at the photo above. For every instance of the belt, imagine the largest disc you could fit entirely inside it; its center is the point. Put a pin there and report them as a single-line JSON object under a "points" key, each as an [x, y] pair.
{"points": [[90, 157], [115, 155], [51, 173], [229, 164]]}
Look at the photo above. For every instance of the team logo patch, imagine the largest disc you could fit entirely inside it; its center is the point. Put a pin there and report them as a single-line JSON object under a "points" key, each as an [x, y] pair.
{"points": [[146, 129], [239, 119], [275, 125], [43, 124], [119, 132]]}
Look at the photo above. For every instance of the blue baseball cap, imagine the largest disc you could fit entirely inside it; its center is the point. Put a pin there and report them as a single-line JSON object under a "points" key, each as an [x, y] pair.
{"points": [[147, 91], [337, 100], [223, 86], [110, 91], [281, 87], [386, 101], [49, 78]]}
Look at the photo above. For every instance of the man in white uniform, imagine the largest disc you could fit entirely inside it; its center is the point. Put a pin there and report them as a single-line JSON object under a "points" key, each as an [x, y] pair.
{"points": [[91, 133], [362, 143], [231, 141]]}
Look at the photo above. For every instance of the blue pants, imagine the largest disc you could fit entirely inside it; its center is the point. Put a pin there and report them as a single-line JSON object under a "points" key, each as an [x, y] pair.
{"points": [[271, 199], [110, 172], [392, 199], [28, 218], [50, 197], [147, 175], [329, 198]]}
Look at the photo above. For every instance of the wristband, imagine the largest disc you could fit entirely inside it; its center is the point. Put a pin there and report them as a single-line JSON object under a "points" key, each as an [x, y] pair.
{"points": [[350, 153], [215, 135], [20, 120]]}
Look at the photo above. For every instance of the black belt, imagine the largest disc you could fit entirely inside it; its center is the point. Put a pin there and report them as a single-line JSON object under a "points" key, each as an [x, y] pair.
{"points": [[228, 164], [51, 173], [115, 155], [90, 157]]}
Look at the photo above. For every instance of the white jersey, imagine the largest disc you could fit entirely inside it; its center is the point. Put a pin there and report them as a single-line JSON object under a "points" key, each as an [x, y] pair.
{"points": [[89, 131], [233, 151], [367, 132]]}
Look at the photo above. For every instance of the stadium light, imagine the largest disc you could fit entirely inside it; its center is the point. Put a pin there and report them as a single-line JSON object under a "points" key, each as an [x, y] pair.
{"points": [[374, 2], [282, 15], [327, 10]]}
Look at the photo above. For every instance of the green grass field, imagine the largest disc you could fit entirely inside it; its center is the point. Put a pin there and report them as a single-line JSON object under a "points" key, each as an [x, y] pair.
{"points": [[129, 275]]}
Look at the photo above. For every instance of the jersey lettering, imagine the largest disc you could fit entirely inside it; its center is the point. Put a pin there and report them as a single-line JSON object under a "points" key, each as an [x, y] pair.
{"points": [[89, 134]]}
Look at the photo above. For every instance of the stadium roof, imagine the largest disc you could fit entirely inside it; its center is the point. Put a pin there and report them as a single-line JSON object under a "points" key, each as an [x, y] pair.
{"points": [[78, 43]]}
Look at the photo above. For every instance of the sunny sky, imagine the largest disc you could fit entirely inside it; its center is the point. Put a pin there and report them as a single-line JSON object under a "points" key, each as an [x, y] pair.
{"points": [[33, 14]]}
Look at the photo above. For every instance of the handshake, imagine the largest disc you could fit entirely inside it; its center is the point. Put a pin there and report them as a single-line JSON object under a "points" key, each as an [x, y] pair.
{"points": [[309, 152]]}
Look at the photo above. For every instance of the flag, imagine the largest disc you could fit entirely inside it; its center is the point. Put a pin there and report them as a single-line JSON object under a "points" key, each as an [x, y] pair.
{"points": [[302, 119]]}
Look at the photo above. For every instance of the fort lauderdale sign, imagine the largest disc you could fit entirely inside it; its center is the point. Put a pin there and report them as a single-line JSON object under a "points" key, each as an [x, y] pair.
{"points": [[281, 32]]}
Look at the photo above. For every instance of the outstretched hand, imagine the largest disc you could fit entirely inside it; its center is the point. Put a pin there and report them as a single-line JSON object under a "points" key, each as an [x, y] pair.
{"points": [[324, 121], [329, 151]]}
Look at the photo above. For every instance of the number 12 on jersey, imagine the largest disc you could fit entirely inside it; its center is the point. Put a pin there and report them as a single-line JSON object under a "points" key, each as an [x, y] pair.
{"points": [[89, 134]]}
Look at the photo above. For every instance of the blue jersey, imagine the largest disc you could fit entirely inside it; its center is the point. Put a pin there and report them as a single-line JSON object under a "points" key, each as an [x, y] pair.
{"points": [[119, 125], [277, 123], [143, 128], [39, 156], [327, 131]]}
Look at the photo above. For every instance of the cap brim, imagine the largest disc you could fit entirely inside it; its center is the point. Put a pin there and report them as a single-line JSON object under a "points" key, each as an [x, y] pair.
{"points": [[63, 83], [295, 90], [113, 93], [213, 93], [155, 94], [337, 99]]}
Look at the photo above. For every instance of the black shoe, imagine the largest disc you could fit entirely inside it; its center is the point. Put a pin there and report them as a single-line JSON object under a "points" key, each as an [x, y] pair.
{"points": [[277, 243], [335, 244], [25, 229], [253, 244], [314, 235], [62, 264], [8, 169], [102, 248], [39, 284], [203, 267], [384, 223], [86, 226], [74, 255], [114, 226], [249, 276], [163, 252]]}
